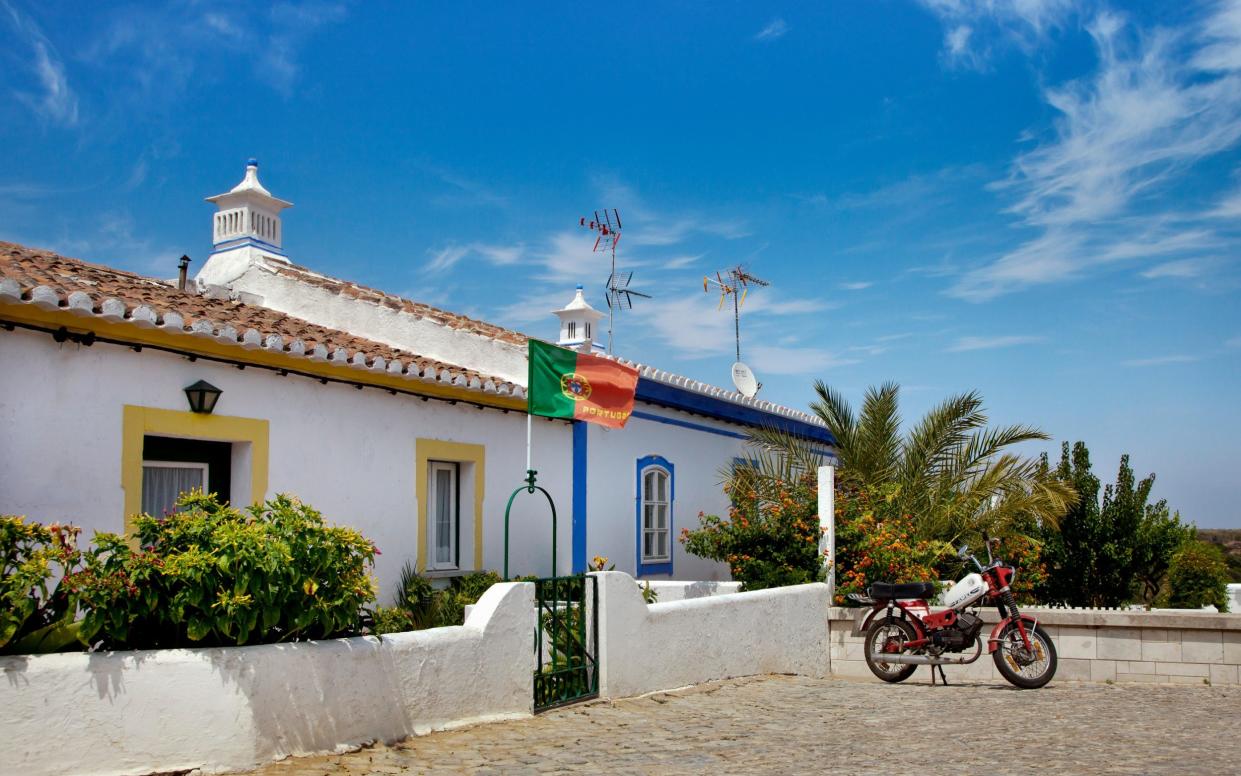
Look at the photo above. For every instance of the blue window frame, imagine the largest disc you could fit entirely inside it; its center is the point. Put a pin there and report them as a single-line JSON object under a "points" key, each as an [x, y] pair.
{"points": [[655, 496]]}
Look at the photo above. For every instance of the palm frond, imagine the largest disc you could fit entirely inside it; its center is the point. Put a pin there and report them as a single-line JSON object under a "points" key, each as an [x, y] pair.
{"points": [[877, 444]]}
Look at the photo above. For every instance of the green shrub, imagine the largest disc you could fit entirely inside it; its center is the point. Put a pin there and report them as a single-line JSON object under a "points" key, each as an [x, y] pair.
{"points": [[212, 575], [1198, 577], [36, 615], [874, 541], [392, 619], [419, 605], [771, 536], [462, 592]]}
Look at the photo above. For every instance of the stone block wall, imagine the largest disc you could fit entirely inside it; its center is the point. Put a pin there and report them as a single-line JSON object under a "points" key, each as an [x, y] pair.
{"points": [[1096, 646]]}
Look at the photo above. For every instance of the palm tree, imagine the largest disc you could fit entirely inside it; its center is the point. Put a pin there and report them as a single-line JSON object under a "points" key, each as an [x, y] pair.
{"points": [[954, 475]]}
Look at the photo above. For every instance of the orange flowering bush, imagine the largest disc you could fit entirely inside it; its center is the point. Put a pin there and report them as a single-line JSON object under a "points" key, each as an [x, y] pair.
{"points": [[771, 535], [1027, 555], [874, 541]]}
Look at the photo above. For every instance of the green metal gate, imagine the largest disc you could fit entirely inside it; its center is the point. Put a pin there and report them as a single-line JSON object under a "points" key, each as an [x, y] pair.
{"points": [[566, 640]]}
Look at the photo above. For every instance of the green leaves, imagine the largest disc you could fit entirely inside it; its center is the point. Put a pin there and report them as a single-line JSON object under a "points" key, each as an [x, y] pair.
{"points": [[35, 610], [955, 475], [208, 575], [1108, 551], [771, 536], [1198, 577]]}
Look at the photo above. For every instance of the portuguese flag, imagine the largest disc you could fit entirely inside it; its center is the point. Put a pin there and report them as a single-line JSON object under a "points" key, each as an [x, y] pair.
{"points": [[567, 384]]}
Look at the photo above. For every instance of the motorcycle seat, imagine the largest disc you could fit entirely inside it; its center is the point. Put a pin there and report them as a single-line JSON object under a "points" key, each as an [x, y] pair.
{"points": [[888, 591]]}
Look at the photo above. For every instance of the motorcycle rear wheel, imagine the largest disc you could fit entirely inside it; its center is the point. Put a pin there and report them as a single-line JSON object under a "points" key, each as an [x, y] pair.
{"points": [[1027, 671], [878, 635]]}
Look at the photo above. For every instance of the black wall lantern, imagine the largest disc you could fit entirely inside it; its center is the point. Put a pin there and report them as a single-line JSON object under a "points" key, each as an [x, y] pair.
{"points": [[203, 396]]}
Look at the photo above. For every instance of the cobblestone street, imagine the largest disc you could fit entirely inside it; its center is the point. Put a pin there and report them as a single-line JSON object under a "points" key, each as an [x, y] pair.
{"points": [[786, 724]]}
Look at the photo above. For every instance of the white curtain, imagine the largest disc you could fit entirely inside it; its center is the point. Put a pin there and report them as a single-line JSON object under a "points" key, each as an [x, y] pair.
{"points": [[444, 532], [163, 485]]}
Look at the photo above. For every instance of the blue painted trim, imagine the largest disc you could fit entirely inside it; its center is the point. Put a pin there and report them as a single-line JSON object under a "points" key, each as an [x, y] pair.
{"points": [[654, 392], [579, 496], [685, 424], [241, 242], [645, 463]]}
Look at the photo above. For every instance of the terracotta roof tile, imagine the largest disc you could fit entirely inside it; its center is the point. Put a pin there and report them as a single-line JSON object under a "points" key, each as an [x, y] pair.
{"points": [[47, 279]]}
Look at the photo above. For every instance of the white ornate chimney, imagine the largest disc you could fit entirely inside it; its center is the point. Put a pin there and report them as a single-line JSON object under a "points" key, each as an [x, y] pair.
{"points": [[579, 325], [246, 225]]}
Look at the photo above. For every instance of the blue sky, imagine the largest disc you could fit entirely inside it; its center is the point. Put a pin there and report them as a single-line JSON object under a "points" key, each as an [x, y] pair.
{"points": [[1040, 200]]}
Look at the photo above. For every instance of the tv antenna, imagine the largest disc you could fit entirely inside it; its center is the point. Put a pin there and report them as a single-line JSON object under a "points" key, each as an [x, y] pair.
{"points": [[736, 283], [607, 225], [620, 295]]}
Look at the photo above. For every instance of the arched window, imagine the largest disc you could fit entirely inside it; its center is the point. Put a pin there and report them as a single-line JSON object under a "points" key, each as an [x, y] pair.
{"points": [[572, 329], [656, 494]]}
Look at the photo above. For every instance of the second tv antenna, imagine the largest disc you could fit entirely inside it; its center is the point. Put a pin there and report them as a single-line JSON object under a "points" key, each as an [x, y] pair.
{"points": [[607, 225], [736, 283]]}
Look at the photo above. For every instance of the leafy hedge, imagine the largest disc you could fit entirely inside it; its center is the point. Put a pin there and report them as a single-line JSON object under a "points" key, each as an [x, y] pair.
{"points": [[419, 605], [208, 575], [35, 614], [771, 535], [1198, 577], [874, 541]]}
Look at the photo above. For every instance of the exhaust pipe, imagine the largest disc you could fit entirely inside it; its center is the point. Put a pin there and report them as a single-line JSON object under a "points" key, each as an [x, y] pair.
{"points": [[922, 660]]}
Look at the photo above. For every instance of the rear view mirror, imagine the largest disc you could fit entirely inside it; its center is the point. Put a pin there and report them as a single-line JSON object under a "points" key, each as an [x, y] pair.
{"points": [[964, 552]]}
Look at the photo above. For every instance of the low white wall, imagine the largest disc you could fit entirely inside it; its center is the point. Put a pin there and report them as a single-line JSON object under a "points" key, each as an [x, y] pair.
{"points": [[665, 645], [1234, 598], [231, 708], [672, 590], [1171, 647]]}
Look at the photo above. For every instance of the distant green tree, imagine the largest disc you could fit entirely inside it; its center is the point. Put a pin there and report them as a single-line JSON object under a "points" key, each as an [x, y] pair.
{"points": [[1107, 552], [1198, 577], [1160, 536]]}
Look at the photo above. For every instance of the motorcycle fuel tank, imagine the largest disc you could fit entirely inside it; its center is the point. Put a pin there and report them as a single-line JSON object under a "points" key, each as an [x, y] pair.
{"points": [[967, 591]]}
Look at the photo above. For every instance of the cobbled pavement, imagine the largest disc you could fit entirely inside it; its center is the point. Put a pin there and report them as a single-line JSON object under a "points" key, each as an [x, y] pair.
{"points": [[786, 724]]}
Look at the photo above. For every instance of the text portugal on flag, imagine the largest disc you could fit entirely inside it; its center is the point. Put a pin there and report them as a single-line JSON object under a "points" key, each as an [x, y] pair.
{"points": [[566, 384]]}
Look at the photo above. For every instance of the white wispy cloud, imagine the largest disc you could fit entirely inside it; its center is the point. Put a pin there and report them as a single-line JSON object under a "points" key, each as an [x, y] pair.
{"points": [[164, 47], [647, 225], [56, 101], [1181, 268], [500, 255], [974, 28], [1091, 191], [965, 344], [1227, 207], [783, 360], [690, 326], [776, 28], [859, 285], [1162, 360]]}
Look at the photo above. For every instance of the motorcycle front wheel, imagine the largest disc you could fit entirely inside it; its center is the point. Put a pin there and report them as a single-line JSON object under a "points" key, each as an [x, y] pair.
{"points": [[1028, 669], [889, 632]]}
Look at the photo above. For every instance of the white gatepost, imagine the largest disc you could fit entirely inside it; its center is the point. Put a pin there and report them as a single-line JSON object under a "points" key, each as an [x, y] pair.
{"points": [[827, 522]]}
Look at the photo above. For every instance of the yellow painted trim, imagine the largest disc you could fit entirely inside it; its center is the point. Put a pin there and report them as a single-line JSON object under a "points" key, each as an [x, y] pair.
{"points": [[26, 313], [427, 450], [139, 421]]}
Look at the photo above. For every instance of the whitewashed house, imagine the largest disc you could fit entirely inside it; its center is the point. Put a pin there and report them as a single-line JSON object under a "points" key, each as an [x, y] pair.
{"points": [[398, 418]]}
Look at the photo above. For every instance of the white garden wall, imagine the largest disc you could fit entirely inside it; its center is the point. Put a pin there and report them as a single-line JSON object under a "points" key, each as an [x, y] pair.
{"points": [[222, 709], [680, 590], [665, 645]]}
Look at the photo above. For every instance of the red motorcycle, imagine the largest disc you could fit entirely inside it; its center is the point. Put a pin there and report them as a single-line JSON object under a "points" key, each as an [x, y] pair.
{"points": [[910, 634]]}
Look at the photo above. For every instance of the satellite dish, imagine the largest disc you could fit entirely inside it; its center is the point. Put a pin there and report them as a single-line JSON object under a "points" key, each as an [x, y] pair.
{"points": [[743, 378]]}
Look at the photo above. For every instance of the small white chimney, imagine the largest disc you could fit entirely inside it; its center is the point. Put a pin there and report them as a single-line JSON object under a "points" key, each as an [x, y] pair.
{"points": [[247, 219], [579, 325]]}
